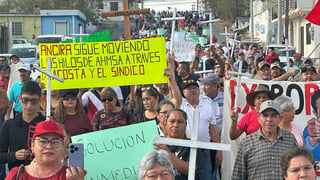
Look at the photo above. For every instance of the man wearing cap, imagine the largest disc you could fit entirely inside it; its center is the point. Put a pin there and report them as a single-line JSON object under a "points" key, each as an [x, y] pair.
{"points": [[275, 70], [184, 76], [308, 74], [249, 122], [15, 89], [207, 125], [297, 60], [264, 72], [16, 134], [259, 154]]}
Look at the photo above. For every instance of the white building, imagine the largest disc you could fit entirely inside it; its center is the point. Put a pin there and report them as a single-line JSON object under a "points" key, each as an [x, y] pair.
{"points": [[303, 35]]}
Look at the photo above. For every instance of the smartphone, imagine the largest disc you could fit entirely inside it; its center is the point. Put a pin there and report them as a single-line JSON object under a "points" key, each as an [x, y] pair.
{"points": [[76, 155]]}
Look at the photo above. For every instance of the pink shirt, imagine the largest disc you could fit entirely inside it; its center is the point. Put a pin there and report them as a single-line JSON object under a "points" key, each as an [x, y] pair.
{"points": [[297, 132]]}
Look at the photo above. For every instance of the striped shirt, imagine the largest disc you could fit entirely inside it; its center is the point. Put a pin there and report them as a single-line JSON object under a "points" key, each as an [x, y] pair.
{"points": [[259, 158]]}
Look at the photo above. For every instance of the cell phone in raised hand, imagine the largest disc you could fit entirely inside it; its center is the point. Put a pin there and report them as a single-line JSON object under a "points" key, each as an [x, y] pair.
{"points": [[76, 155]]}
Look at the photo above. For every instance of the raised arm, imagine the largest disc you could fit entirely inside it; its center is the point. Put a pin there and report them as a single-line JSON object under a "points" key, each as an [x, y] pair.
{"points": [[174, 92]]}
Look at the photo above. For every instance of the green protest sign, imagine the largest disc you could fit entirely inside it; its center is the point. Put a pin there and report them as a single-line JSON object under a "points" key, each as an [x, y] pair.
{"points": [[206, 32], [95, 37], [195, 38], [203, 41], [115, 153], [160, 31], [153, 32]]}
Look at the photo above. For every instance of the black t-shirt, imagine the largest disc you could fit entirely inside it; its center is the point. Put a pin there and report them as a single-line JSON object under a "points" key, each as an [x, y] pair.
{"points": [[183, 153]]}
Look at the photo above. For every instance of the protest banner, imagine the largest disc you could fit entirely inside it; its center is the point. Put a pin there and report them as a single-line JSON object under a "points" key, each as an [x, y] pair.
{"points": [[115, 153], [95, 37], [102, 64], [299, 92], [183, 51], [179, 37]]}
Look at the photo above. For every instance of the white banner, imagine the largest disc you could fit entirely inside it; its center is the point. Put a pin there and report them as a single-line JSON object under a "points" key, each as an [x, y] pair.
{"points": [[299, 92], [183, 51]]}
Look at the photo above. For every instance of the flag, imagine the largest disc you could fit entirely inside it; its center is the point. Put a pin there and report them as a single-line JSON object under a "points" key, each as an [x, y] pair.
{"points": [[314, 15]]}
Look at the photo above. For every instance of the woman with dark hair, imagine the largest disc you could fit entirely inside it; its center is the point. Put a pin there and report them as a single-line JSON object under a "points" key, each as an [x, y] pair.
{"points": [[71, 114], [150, 99], [298, 163], [112, 115], [163, 108]]}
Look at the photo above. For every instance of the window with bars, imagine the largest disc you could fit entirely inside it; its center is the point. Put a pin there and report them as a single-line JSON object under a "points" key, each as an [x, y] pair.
{"points": [[16, 28]]}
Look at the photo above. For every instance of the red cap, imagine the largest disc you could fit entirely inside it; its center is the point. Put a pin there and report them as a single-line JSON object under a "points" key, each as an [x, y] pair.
{"points": [[48, 127]]}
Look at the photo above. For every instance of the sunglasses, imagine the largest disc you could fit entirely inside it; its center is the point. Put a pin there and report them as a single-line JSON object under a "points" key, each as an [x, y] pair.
{"points": [[26, 100], [66, 98], [107, 99]]}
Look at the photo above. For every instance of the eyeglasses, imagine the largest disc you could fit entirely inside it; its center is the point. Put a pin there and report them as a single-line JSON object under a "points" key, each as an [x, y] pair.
{"points": [[3, 60], [43, 142], [164, 175], [297, 170], [107, 99], [250, 57], [264, 69], [33, 100], [66, 98]]}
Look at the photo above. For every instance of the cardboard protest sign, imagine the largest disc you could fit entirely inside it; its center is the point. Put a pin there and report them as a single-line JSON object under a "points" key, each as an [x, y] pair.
{"points": [[179, 36], [300, 93], [101, 64], [206, 32], [183, 51], [115, 153]]}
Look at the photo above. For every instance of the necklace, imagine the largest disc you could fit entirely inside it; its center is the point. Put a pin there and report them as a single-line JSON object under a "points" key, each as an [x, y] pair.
{"points": [[53, 176]]}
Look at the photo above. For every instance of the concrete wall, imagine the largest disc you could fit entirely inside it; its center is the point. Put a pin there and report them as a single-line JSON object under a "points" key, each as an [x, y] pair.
{"points": [[30, 24]]}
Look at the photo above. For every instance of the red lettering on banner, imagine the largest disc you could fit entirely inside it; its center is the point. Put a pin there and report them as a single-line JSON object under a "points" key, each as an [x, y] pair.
{"points": [[100, 72], [253, 87], [233, 85], [317, 168], [307, 96]]}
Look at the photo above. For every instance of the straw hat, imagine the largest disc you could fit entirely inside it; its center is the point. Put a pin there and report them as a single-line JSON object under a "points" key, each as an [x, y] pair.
{"points": [[259, 89]]}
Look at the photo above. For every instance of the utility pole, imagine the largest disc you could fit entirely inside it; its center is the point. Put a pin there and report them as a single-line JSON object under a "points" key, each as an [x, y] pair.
{"points": [[251, 20], [287, 20], [279, 21]]}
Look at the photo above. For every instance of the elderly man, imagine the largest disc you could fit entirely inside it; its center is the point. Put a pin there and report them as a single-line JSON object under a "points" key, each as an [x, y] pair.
{"points": [[264, 72], [207, 125], [259, 154]]}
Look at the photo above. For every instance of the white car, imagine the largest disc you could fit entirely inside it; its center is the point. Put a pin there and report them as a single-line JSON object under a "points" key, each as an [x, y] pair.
{"points": [[282, 54], [53, 38], [19, 42], [26, 53]]}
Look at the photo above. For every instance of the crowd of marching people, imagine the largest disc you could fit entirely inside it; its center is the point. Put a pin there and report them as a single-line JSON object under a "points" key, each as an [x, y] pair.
{"points": [[274, 147]]}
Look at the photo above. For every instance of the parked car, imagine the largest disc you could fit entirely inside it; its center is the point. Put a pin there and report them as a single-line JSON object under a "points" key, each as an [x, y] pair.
{"points": [[53, 38], [19, 42], [254, 43], [26, 53], [282, 54]]}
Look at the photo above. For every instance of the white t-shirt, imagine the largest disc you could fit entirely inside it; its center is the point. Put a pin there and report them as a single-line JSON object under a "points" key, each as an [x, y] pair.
{"points": [[207, 117]]}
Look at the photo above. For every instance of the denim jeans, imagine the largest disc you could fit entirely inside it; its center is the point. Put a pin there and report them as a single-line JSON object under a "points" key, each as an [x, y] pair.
{"points": [[205, 168]]}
